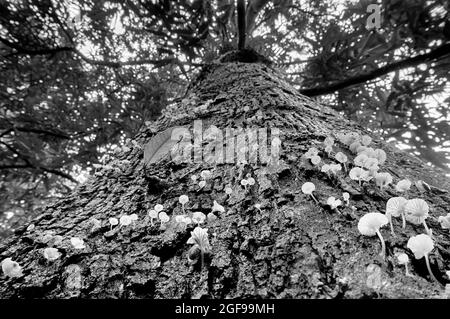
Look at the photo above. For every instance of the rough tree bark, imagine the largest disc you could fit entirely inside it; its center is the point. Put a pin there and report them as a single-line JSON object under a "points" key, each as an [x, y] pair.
{"points": [[291, 248]]}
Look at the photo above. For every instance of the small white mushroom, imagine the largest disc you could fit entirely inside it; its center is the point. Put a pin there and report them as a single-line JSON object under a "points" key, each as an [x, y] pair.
{"points": [[421, 245], [11, 268], [416, 212], [51, 254], [308, 189], [183, 199], [395, 207], [403, 259], [370, 224]]}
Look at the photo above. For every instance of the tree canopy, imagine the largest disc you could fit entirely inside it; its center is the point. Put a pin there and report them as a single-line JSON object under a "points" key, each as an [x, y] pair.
{"points": [[80, 77]]}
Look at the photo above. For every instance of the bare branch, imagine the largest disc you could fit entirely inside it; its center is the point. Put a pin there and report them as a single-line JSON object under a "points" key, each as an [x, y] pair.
{"points": [[433, 55]]}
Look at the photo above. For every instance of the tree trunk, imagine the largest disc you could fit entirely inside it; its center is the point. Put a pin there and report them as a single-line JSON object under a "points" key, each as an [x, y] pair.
{"points": [[290, 247]]}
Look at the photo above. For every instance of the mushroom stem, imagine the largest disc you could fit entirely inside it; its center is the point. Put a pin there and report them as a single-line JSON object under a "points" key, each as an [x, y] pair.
{"points": [[392, 226], [403, 221], [407, 271], [429, 268], [202, 257], [345, 168], [383, 245], [317, 202], [182, 208], [359, 181], [426, 228]]}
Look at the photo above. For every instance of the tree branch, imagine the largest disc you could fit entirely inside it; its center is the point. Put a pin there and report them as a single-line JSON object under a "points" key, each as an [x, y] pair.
{"points": [[435, 54], [107, 63]]}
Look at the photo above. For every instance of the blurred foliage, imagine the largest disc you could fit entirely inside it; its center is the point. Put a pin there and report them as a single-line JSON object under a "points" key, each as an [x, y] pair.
{"points": [[80, 77]]}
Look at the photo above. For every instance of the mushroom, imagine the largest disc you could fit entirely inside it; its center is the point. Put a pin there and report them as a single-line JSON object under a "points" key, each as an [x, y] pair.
{"points": [[342, 158], [366, 140], [308, 188], [205, 174], [380, 155], [416, 211], [403, 185], [346, 197], [163, 217], [395, 207], [77, 243], [125, 220], [383, 179], [421, 245], [201, 184], [159, 208], [334, 203], [198, 217], [360, 160], [244, 183], [11, 268], [217, 208], [315, 160], [370, 224], [183, 199], [359, 174], [51, 254], [199, 238], [445, 221], [403, 259], [228, 190], [113, 222]]}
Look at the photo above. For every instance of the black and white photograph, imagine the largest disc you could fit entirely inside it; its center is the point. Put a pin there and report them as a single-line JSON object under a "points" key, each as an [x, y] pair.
{"points": [[224, 155]]}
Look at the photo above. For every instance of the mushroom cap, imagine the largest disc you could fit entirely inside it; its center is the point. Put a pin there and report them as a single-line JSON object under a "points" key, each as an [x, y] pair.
{"points": [[228, 190], [51, 253], [199, 236], [403, 185], [125, 220], [383, 179], [194, 178], [341, 157], [311, 152], [333, 202], [217, 207], [328, 148], [11, 268], [163, 217], [371, 163], [159, 208], [334, 168], [420, 245], [134, 217], [325, 168], [354, 146], [371, 222], [202, 183], [113, 221], [77, 243], [402, 258], [445, 221], [244, 182], [360, 160], [198, 217], [366, 140], [380, 155], [251, 181], [308, 188], [315, 159], [395, 206], [357, 173], [183, 199], [416, 210], [345, 196], [205, 174], [211, 217]]}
